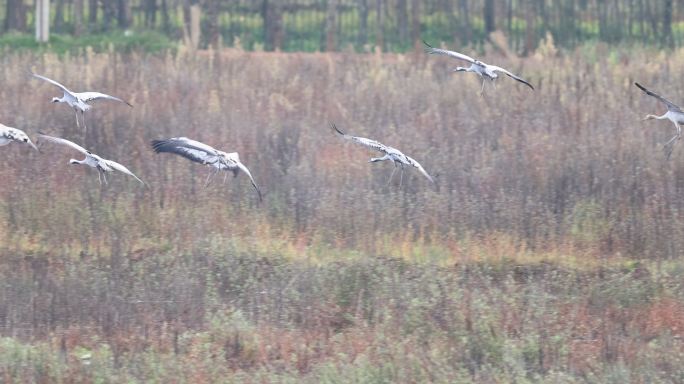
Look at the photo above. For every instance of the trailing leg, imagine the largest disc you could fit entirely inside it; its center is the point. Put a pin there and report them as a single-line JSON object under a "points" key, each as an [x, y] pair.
{"points": [[401, 175], [210, 176]]}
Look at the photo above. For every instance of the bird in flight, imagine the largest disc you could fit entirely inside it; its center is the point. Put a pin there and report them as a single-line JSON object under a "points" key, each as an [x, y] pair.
{"points": [[204, 154], [103, 166], [9, 134], [674, 114], [78, 101], [392, 154], [484, 70]]}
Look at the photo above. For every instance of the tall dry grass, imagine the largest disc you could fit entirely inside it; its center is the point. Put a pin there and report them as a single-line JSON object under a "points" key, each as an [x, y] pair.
{"points": [[569, 165], [336, 276]]}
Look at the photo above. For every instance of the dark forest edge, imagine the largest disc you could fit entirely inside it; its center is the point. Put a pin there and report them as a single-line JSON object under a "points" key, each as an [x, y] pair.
{"points": [[345, 25]]}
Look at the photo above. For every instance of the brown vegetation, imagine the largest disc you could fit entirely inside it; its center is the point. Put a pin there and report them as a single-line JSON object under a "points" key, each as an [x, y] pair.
{"points": [[548, 251]]}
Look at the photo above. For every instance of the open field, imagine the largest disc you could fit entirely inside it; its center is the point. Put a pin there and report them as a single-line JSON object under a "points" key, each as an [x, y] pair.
{"points": [[549, 251]]}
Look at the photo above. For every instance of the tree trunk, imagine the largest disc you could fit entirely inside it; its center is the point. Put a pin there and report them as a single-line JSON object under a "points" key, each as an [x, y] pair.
{"points": [[150, 13], [668, 41], [213, 32], [630, 20], [380, 24], [42, 21], [191, 23], [331, 26], [543, 15], [124, 14], [78, 17], [92, 13], [166, 18], [191, 27], [489, 17], [652, 19], [109, 10], [602, 18], [415, 24], [509, 17], [448, 8], [271, 13], [363, 23], [466, 31], [530, 29], [58, 23], [402, 20], [567, 23], [15, 16]]}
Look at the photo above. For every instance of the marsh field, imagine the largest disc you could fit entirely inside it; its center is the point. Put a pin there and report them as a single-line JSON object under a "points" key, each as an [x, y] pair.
{"points": [[549, 250]]}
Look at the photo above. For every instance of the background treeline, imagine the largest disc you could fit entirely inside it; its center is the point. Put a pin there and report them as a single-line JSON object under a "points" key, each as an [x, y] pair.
{"points": [[392, 25]]}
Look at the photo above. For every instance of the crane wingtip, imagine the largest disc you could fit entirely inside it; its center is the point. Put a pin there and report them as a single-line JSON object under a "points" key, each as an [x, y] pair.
{"points": [[333, 126], [156, 145]]}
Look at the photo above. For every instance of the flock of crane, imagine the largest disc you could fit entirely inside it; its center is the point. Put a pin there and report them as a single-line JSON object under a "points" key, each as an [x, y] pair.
{"points": [[206, 155]]}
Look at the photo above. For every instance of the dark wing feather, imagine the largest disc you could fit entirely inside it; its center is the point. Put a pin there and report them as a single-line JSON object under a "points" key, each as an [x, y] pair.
{"points": [[190, 149], [456, 55], [670, 105], [511, 75], [378, 146]]}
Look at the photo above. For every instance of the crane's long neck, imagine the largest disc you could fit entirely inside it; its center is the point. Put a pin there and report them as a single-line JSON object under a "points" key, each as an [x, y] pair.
{"points": [[74, 161], [649, 117], [376, 159]]}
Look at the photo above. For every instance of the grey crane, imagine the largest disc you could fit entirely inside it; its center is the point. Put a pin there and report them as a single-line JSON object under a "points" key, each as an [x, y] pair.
{"points": [[78, 101], [9, 134], [392, 154], [204, 154], [92, 160], [484, 70], [674, 114]]}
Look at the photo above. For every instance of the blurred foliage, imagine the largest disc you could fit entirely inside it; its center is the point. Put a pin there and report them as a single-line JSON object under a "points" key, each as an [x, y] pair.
{"points": [[124, 41], [362, 25]]}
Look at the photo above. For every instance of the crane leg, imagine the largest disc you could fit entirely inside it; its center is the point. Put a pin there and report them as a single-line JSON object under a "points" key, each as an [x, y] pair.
{"points": [[78, 123], [99, 177], [85, 127], [392, 174], [225, 176], [104, 176], [671, 141], [401, 175], [669, 146], [482, 89], [210, 176]]}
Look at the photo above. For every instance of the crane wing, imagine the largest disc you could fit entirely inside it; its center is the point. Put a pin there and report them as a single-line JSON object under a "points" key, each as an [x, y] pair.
{"points": [[670, 105], [416, 164], [92, 96], [123, 169], [190, 149], [244, 169], [59, 140], [438, 51], [17, 135], [60, 86], [378, 146], [509, 74]]}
